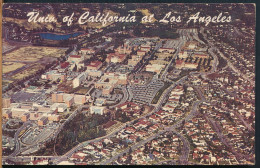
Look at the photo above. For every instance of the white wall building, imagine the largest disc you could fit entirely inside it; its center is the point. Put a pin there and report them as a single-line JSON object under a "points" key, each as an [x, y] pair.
{"points": [[77, 81]]}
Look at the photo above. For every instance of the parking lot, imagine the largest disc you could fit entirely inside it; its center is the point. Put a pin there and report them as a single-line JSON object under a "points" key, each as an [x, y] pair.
{"points": [[22, 96], [171, 44], [111, 98], [38, 134], [144, 94], [141, 41]]}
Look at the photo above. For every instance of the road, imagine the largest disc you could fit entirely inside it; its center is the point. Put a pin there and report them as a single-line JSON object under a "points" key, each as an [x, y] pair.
{"points": [[228, 61], [186, 148], [218, 131], [163, 76], [151, 55], [167, 91], [249, 127], [81, 145], [222, 138], [124, 99], [74, 113], [133, 147], [17, 140]]}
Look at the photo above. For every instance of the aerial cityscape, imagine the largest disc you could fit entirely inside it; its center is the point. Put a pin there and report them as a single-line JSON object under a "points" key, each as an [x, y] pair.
{"points": [[128, 93]]}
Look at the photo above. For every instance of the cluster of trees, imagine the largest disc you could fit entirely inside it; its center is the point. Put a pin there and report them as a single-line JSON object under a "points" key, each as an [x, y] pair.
{"points": [[222, 62], [32, 79], [80, 129], [7, 151], [141, 30], [202, 38], [14, 126], [121, 116], [8, 133]]}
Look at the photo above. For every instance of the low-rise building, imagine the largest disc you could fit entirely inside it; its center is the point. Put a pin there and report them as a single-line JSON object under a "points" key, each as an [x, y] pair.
{"points": [[54, 75], [86, 51], [115, 57], [109, 81], [134, 60], [189, 65], [94, 65], [75, 59], [124, 49], [94, 73], [183, 54], [154, 68], [169, 50], [6, 102], [7, 114], [62, 107], [98, 110], [141, 53]]}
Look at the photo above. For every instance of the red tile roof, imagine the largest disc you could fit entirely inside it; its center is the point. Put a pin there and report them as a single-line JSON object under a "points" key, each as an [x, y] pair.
{"points": [[179, 62], [75, 56], [64, 64], [95, 63]]}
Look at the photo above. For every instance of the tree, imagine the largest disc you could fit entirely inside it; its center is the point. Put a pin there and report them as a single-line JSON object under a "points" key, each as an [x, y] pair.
{"points": [[75, 68], [130, 150]]}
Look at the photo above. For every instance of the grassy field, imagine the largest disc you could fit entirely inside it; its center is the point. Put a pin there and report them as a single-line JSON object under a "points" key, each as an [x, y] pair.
{"points": [[83, 90], [146, 12], [28, 71], [6, 82], [11, 66], [26, 24], [32, 53]]}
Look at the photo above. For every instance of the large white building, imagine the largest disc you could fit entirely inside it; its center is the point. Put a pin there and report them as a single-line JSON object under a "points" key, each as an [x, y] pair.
{"points": [[94, 73], [97, 110], [77, 81], [154, 68]]}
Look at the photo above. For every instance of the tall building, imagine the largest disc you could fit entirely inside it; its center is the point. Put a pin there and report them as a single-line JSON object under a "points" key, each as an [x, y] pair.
{"points": [[7, 114], [43, 121], [57, 97], [77, 81], [6, 102], [69, 101], [80, 99], [25, 117]]}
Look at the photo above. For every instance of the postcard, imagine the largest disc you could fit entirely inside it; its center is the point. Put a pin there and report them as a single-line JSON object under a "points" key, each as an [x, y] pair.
{"points": [[128, 84]]}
